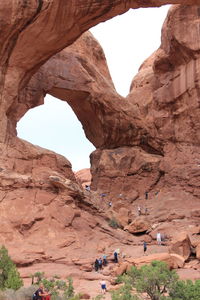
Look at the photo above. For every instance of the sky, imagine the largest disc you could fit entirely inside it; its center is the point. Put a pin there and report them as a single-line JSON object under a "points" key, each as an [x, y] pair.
{"points": [[127, 40]]}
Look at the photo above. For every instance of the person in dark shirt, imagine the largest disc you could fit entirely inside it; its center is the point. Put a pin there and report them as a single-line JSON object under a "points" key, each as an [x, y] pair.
{"points": [[96, 265], [115, 257], [41, 294], [100, 263], [145, 246]]}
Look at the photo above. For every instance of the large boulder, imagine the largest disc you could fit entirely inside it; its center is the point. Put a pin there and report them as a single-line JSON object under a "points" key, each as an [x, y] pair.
{"points": [[181, 245], [139, 225], [174, 261]]}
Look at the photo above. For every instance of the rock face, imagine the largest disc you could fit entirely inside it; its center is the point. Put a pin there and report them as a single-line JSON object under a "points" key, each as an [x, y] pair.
{"points": [[165, 107], [148, 142], [181, 245], [84, 177]]}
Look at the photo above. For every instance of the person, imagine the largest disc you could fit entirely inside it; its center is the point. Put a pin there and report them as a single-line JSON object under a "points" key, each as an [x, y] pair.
{"points": [[146, 195], [105, 262], [110, 204], [41, 294], [100, 263], [139, 210], [115, 257], [87, 187], [145, 246], [159, 241], [96, 265], [103, 286], [102, 195]]}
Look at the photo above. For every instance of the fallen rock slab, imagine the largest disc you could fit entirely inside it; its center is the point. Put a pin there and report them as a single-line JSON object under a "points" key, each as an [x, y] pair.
{"points": [[174, 261]]}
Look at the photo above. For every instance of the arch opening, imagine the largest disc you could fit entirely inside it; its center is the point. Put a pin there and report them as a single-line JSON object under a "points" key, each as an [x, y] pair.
{"points": [[129, 40], [54, 126], [55, 130]]}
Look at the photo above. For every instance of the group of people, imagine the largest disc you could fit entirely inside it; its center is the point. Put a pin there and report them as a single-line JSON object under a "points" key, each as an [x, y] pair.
{"points": [[41, 294], [139, 210], [102, 262]]}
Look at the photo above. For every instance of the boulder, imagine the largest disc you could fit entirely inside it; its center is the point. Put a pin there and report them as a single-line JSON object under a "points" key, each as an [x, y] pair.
{"points": [[121, 269], [140, 224], [83, 177], [181, 245], [174, 261]]}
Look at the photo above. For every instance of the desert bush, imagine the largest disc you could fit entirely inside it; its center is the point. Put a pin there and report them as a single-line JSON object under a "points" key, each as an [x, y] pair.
{"points": [[156, 280], [9, 276], [113, 223]]}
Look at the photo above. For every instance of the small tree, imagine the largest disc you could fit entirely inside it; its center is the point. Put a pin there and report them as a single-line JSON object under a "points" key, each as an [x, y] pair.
{"points": [[39, 276], [155, 280], [9, 276]]}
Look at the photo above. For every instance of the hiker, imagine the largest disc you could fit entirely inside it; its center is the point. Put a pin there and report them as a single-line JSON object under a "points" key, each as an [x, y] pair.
{"points": [[103, 286], [110, 204], [145, 246], [100, 263], [115, 257], [146, 195], [96, 265], [105, 262], [102, 195], [139, 210], [87, 188], [158, 237], [40, 294]]}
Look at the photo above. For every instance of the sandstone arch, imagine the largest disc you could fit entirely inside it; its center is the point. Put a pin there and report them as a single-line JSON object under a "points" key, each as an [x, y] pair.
{"points": [[149, 143]]}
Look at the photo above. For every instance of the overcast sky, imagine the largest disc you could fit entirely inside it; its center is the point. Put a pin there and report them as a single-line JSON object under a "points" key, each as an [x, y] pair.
{"points": [[127, 41]]}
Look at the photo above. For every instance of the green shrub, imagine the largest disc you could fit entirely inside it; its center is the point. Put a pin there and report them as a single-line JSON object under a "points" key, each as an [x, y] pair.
{"points": [[113, 223], [69, 291], [185, 290], [155, 280], [9, 276], [124, 293]]}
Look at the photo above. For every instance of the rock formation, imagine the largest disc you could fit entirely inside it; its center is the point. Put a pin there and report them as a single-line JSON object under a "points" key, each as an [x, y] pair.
{"points": [[148, 142]]}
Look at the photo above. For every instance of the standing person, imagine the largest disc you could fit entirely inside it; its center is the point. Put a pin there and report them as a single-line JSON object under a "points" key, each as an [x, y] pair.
{"points": [[159, 238], [96, 265], [105, 262], [139, 210], [115, 257], [146, 195], [145, 246], [100, 263], [103, 286]]}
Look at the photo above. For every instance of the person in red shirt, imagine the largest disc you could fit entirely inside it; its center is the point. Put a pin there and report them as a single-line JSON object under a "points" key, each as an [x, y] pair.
{"points": [[42, 295]]}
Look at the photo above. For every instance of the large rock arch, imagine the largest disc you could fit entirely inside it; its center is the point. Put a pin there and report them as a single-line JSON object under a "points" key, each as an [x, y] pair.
{"points": [[140, 139]]}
